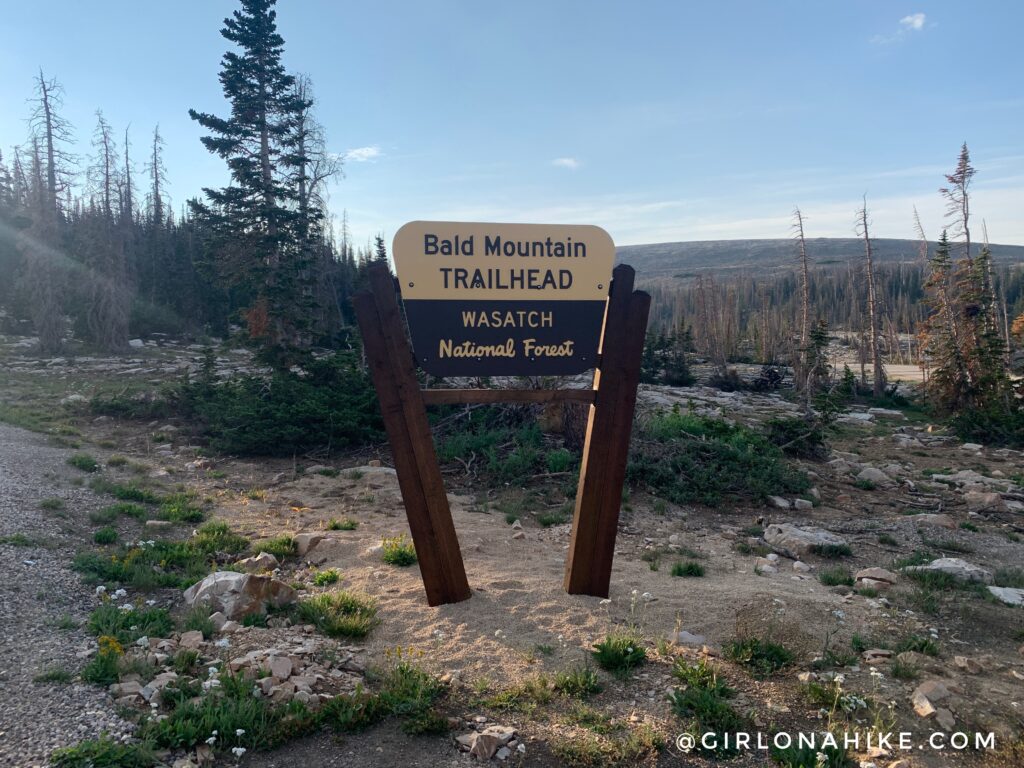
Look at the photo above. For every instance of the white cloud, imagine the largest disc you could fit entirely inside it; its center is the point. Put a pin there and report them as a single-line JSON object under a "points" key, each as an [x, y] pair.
{"points": [[909, 24], [566, 162], [363, 154], [914, 21]]}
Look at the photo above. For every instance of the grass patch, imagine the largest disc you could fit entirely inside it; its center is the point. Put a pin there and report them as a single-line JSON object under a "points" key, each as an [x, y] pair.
{"points": [[524, 697], [52, 504], [761, 657], [177, 564], [66, 622], [398, 550], [18, 540], [947, 545], [594, 750], [84, 462], [887, 540], [344, 524], [686, 458], [580, 682], [688, 569], [181, 508], [704, 705], [125, 491], [620, 652], [105, 536], [832, 551], [797, 756], [280, 547], [1010, 577], [198, 619], [835, 576], [111, 513], [918, 644], [966, 526], [339, 614], [109, 620], [902, 670], [326, 577], [105, 752], [54, 675], [746, 548], [554, 517]]}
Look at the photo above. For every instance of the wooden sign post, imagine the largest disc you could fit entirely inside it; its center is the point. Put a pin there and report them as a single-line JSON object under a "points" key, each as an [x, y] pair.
{"points": [[474, 309]]}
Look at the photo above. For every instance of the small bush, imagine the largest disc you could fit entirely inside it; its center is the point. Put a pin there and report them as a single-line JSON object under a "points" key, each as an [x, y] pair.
{"points": [[901, 670], [181, 508], [185, 661], [762, 657], [835, 577], [686, 458], [105, 536], [553, 517], [887, 540], [125, 491], [796, 756], [53, 675], [339, 614], [198, 619], [52, 505], [832, 551], [114, 511], [345, 524], [281, 547], [398, 550], [620, 652], [84, 462], [919, 644], [580, 682], [103, 669], [965, 526], [689, 568], [117, 461], [104, 752], [1010, 577], [798, 437], [127, 626], [559, 460], [326, 577]]}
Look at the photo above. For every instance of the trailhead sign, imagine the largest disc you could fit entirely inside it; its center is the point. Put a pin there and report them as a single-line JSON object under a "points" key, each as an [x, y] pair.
{"points": [[504, 299]]}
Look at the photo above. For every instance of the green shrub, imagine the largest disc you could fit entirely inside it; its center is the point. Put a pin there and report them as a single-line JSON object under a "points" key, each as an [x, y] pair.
{"points": [[84, 462], [281, 547], [836, 576], [354, 712], [506, 444], [620, 652], [52, 505], [1010, 577], [198, 619], [397, 550], [687, 458], [553, 517], [181, 508], [797, 436], [109, 620], [345, 524], [114, 511], [579, 682], [701, 675], [104, 752], [805, 756], [919, 644], [326, 577], [559, 460], [339, 614], [689, 568], [53, 675], [762, 657], [831, 551], [105, 536], [887, 540], [125, 491], [331, 404]]}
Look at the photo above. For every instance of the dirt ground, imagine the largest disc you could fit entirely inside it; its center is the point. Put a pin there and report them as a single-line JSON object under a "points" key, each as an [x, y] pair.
{"points": [[519, 621]]}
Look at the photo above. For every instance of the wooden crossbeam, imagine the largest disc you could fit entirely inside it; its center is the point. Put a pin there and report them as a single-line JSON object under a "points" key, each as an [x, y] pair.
{"points": [[476, 396]]}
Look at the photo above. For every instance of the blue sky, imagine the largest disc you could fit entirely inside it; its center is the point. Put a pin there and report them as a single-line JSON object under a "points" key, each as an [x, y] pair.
{"points": [[655, 120]]}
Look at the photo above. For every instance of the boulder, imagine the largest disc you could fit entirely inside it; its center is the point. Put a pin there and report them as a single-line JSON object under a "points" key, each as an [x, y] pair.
{"points": [[779, 502], [237, 595], [978, 501], [191, 639], [305, 542], [264, 561], [803, 504], [794, 542], [1008, 595], [875, 476], [875, 578], [959, 569]]}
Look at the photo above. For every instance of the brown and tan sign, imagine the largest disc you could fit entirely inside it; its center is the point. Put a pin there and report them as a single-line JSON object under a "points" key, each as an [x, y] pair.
{"points": [[503, 299]]}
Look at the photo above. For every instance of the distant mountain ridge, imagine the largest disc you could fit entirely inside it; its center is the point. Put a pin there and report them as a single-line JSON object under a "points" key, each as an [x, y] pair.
{"points": [[723, 257]]}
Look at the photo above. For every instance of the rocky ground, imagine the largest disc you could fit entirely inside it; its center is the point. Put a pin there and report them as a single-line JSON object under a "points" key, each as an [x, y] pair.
{"points": [[893, 485]]}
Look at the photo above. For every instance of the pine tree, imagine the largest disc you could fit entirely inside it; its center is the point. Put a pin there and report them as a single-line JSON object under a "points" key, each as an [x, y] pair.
{"points": [[255, 224]]}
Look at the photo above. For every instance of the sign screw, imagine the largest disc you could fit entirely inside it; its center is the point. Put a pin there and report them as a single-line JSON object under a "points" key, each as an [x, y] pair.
{"points": [[411, 285]]}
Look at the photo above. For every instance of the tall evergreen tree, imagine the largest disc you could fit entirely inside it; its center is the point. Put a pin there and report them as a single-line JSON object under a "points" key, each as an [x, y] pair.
{"points": [[256, 229]]}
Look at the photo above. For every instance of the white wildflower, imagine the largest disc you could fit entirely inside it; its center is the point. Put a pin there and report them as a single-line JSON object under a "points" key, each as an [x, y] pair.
{"points": [[127, 607], [239, 731], [238, 751], [100, 590], [212, 740], [647, 597]]}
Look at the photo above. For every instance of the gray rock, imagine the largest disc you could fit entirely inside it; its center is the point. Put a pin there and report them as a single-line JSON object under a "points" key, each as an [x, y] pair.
{"points": [[794, 542], [1008, 595], [874, 475], [979, 501], [304, 542], [959, 569], [264, 561], [927, 518], [803, 504], [237, 595], [779, 502]]}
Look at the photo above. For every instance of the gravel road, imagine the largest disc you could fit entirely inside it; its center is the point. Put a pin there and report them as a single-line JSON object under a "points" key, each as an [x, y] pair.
{"points": [[38, 595]]}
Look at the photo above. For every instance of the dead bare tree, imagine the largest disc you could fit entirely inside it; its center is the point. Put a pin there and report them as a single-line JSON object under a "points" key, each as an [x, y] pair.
{"points": [[878, 372], [801, 363]]}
